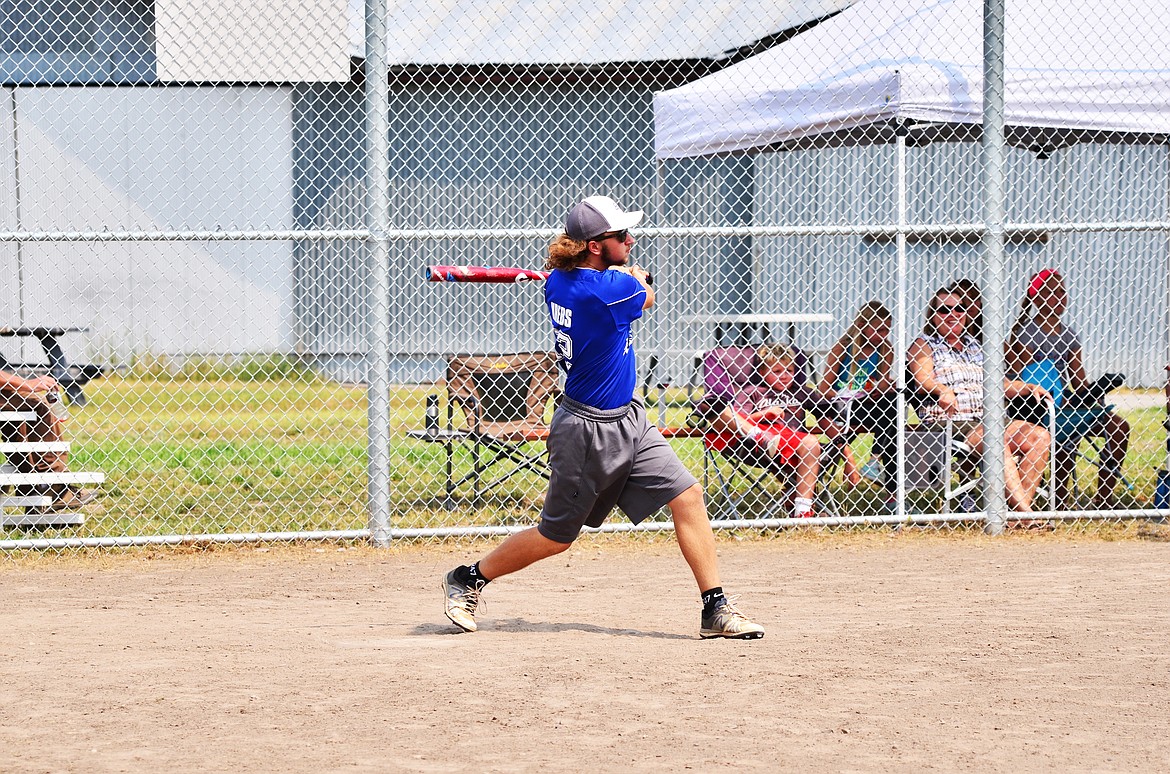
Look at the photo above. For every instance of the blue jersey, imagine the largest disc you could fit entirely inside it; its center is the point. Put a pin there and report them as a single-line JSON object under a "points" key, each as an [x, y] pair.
{"points": [[591, 314]]}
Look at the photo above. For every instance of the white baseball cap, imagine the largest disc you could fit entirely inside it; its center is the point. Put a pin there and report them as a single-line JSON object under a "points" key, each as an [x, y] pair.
{"points": [[595, 215]]}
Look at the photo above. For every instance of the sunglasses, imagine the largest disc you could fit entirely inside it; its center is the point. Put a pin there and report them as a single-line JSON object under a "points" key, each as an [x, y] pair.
{"points": [[618, 235], [945, 309]]}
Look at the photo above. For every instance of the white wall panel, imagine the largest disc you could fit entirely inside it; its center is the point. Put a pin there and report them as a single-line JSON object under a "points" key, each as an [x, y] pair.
{"points": [[159, 160], [295, 41]]}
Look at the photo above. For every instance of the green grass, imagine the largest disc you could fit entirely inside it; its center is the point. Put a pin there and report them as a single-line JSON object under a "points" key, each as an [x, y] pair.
{"points": [[188, 454], [185, 456]]}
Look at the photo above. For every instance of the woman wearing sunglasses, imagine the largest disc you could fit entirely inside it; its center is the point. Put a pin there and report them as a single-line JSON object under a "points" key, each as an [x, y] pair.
{"points": [[946, 363]]}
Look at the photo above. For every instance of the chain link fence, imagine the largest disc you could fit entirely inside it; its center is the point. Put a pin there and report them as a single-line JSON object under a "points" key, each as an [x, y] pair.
{"points": [[219, 222]]}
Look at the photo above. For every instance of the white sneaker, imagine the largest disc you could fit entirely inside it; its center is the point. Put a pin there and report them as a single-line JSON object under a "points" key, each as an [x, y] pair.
{"points": [[461, 603], [726, 621]]}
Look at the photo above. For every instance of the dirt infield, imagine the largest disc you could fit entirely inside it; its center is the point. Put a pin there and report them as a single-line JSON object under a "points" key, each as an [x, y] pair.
{"points": [[883, 653]]}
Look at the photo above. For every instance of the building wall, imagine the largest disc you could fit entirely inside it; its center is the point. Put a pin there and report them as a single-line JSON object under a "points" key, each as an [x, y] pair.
{"points": [[482, 158], [1117, 281], [461, 157], [150, 160], [490, 154], [77, 42]]}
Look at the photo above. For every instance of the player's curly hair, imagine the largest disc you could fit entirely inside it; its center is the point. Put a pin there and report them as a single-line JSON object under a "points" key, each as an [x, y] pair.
{"points": [[565, 253]]}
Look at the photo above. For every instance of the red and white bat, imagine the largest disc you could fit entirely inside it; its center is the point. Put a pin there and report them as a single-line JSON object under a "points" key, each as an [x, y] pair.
{"points": [[482, 274], [503, 274]]}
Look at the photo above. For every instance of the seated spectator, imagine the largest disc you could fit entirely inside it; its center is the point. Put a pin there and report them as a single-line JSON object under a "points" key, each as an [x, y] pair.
{"points": [[20, 394], [859, 370], [1043, 349], [947, 363], [765, 423]]}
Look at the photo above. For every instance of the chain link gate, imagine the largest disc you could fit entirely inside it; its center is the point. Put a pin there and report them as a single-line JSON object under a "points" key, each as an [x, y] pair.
{"points": [[217, 236]]}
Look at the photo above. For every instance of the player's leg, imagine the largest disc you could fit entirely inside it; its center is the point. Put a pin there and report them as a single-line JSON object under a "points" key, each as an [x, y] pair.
{"points": [[519, 551], [657, 478], [696, 540], [463, 585], [574, 469]]}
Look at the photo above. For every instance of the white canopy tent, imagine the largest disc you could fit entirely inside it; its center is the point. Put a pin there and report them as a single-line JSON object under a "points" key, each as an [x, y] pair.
{"points": [[1097, 66]]}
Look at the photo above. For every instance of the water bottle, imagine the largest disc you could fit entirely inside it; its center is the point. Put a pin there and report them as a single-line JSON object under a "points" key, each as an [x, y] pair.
{"points": [[432, 421], [56, 405]]}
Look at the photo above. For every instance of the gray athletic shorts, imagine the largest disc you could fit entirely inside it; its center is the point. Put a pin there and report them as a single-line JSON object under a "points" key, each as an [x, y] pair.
{"points": [[602, 458]]}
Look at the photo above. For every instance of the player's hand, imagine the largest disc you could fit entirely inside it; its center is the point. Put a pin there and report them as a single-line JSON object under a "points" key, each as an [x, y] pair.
{"points": [[640, 274]]}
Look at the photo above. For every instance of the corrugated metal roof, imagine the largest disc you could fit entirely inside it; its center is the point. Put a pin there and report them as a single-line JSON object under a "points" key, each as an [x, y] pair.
{"points": [[453, 32]]}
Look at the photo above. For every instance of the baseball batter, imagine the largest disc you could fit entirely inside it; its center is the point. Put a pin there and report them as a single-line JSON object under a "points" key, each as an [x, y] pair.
{"points": [[602, 450]]}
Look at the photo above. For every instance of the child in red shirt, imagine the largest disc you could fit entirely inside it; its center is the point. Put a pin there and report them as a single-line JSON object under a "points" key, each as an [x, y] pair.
{"points": [[764, 423]]}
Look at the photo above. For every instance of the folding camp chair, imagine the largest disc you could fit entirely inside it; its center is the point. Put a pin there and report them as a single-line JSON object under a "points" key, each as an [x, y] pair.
{"points": [[741, 481], [1074, 422], [502, 401], [937, 461]]}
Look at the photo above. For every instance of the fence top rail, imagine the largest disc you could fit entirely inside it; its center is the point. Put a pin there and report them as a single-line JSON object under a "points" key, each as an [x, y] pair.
{"points": [[185, 236], [873, 230]]}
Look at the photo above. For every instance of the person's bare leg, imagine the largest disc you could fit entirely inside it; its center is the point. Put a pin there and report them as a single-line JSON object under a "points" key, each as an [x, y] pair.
{"points": [[1017, 497], [1112, 456], [1030, 444], [519, 551], [974, 440], [1062, 468], [808, 463], [696, 539]]}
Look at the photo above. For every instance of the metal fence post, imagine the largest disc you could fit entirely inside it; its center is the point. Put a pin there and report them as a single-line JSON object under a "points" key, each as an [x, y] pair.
{"points": [[900, 317], [995, 502], [377, 105]]}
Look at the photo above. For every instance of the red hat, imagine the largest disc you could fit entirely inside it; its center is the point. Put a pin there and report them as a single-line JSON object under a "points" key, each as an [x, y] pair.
{"points": [[1039, 279]]}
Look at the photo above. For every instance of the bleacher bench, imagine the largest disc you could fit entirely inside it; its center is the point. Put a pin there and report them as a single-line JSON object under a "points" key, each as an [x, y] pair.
{"points": [[9, 478]]}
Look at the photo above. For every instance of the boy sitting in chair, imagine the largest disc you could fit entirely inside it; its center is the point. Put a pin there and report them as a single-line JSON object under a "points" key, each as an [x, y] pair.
{"points": [[763, 423]]}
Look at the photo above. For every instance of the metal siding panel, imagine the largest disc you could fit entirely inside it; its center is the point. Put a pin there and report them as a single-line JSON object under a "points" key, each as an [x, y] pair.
{"points": [[1118, 311], [78, 42], [83, 167]]}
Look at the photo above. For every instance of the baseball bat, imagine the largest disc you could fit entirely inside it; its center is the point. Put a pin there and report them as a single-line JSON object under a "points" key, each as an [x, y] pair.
{"points": [[482, 274], [494, 274]]}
